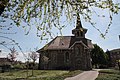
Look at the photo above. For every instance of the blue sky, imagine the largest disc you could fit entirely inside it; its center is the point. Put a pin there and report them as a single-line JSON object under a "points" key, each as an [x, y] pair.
{"points": [[31, 41]]}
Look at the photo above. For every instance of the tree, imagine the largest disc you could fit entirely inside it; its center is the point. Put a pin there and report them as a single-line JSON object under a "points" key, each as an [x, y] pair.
{"points": [[99, 58], [3, 4], [12, 55], [109, 58], [119, 64], [34, 56], [46, 14]]}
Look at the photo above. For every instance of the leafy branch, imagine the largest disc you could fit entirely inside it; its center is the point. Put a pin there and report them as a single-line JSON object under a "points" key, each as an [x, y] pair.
{"points": [[47, 14]]}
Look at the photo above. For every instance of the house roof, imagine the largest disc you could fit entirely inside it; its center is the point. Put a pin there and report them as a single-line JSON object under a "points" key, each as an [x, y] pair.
{"points": [[115, 50], [65, 42], [4, 61]]}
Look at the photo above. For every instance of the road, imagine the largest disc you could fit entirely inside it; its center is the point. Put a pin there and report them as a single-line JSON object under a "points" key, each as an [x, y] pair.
{"points": [[86, 75]]}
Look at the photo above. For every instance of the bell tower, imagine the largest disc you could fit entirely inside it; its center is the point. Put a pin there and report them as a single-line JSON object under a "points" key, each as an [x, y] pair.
{"points": [[79, 31]]}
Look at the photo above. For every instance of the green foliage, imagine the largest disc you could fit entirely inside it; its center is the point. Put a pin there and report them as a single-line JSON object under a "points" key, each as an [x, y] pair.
{"points": [[109, 75], [47, 14], [39, 75], [99, 58], [3, 5], [109, 58], [19, 66], [110, 71]]}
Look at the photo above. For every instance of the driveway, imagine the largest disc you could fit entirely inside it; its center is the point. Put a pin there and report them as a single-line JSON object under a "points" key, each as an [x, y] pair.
{"points": [[86, 75]]}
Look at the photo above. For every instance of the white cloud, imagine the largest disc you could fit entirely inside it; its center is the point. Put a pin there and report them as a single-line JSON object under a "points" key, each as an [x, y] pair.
{"points": [[21, 57], [3, 53]]}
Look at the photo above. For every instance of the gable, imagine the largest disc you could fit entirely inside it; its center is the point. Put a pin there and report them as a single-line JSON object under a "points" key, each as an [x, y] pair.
{"points": [[81, 43]]}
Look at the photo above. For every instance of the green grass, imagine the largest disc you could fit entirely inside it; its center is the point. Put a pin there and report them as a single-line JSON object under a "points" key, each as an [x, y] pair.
{"points": [[110, 74], [38, 74]]}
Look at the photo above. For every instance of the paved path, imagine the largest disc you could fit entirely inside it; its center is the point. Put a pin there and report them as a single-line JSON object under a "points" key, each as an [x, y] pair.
{"points": [[86, 75]]}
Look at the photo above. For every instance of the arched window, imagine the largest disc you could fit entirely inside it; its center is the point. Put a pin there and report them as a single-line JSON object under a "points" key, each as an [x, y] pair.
{"points": [[78, 34], [67, 57], [77, 50]]}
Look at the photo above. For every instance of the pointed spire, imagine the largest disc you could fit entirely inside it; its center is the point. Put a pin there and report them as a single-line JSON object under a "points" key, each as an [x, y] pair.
{"points": [[79, 31], [78, 23]]}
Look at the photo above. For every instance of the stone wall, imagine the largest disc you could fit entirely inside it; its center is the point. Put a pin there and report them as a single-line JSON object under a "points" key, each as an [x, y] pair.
{"points": [[75, 58]]}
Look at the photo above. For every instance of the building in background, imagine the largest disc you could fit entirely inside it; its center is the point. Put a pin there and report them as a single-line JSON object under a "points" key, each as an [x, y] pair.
{"points": [[5, 64], [114, 56], [67, 52]]}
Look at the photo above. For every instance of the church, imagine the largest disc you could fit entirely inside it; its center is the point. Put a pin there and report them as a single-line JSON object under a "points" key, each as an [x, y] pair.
{"points": [[67, 52]]}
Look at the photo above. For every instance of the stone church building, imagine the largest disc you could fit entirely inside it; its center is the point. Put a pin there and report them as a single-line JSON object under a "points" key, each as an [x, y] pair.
{"points": [[67, 52]]}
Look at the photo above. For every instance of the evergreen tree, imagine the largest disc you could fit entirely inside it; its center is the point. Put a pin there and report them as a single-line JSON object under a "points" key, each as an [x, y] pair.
{"points": [[99, 58]]}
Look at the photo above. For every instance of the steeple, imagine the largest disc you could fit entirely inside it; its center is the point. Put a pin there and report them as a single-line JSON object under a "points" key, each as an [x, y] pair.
{"points": [[78, 23], [79, 31]]}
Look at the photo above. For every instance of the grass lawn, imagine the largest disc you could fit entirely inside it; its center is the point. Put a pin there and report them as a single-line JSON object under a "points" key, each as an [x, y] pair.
{"points": [[110, 74], [38, 74]]}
